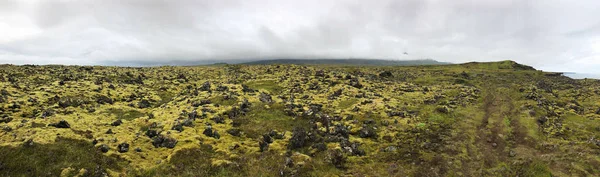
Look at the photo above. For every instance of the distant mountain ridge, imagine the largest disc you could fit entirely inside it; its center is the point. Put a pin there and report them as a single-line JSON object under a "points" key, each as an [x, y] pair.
{"points": [[362, 62]]}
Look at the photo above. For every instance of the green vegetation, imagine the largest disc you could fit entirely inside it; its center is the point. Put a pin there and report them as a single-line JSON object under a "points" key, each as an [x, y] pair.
{"points": [[128, 114], [65, 156], [339, 119], [268, 85]]}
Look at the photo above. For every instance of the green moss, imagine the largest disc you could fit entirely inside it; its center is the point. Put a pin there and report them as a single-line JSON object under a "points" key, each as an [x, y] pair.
{"points": [[125, 114], [51, 159]]}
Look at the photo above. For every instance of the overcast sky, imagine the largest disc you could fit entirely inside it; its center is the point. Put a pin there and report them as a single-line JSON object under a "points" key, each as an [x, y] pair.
{"points": [[558, 35]]}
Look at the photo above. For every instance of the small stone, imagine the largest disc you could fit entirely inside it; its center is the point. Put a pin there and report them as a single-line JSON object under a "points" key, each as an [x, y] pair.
{"points": [[512, 153], [123, 147], [103, 148], [117, 122]]}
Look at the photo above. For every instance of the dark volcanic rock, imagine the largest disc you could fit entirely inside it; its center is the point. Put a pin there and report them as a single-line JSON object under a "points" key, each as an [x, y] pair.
{"points": [[216, 135], [443, 109], [337, 158], [245, 88], [367, 132], [385, 74], [352, 148], [205, 86], [355, 83], [117, 122], [264, 146], [320, 147], [222, 88], [164, 141], [201, 103], [144, 104], [234, 132], [208, 131], [299, 138], [336, 94], [178, 127], [61, 124], [5, 119], [320, 73], [341, 130], [103, 148], [123, 147], [102, 99], [218, 120], [542, 120], [267, 138], [151, 133], [265, 98]]}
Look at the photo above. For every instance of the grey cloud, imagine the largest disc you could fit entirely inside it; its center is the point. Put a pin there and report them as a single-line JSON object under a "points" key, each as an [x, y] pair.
{"points": [[548, 34]]}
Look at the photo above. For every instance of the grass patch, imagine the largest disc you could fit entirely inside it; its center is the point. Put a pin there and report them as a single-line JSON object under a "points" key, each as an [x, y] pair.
{"points": [[220, 100], [261, 120], [165, 97], [191, 162], [269, 85], [581, 127], [125, 114], [51, 159], [534, 169], [347, 103]]}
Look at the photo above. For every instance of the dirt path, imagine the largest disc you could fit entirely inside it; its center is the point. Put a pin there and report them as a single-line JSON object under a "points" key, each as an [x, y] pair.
{"points": [[500, 130], [490, 133]]}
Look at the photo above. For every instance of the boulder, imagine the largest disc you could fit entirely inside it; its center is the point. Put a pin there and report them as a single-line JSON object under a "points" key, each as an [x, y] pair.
{"points": [[164, 141], [299, 138], [385, 74], [367, 132]]}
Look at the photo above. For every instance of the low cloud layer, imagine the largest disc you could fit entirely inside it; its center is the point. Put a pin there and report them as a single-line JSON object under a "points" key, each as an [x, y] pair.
{"points": [[556, 35]]}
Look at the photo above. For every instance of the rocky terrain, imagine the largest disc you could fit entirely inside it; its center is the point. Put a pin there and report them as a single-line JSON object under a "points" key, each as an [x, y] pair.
{"points": [[473, 119]]}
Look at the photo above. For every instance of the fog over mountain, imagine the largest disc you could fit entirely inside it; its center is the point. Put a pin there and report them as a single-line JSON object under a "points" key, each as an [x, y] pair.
{"points": [[557, 35]]}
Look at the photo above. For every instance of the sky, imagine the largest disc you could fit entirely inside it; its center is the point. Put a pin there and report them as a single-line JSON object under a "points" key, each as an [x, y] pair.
{"points": [[555, 35]]}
